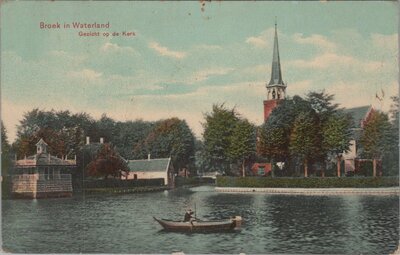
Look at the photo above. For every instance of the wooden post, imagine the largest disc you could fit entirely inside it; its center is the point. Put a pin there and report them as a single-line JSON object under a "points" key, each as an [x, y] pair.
{"points": [[374, 167], [243, 172], [338, 162], [305, 168]]}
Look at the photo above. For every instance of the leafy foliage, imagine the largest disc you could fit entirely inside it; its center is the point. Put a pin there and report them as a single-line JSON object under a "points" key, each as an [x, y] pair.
{"points": [[242, 142], [218, 130], [169, 138], [377, 136], [107, 163]]}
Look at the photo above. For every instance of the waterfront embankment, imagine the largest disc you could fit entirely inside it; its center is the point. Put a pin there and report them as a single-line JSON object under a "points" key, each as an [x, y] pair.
{"points": [[313, 191]]}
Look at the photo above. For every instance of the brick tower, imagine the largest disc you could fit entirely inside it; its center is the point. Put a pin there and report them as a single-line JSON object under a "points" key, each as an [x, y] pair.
{"points": [[276, 88]]}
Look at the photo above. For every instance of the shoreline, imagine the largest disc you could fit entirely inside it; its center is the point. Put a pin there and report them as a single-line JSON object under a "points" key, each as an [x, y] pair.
{"points": [[313, 191]]}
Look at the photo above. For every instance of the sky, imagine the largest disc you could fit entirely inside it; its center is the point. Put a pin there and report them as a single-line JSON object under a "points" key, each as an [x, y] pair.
{"points": [[186, 56]]}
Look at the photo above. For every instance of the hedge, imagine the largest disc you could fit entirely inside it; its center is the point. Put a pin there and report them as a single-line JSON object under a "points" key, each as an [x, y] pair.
{"points": [[181, 181], [285, 182], [116, 183]]}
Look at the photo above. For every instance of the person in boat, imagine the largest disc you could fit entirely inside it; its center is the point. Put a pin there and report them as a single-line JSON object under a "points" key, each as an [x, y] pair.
{"points": [[188, 215]]}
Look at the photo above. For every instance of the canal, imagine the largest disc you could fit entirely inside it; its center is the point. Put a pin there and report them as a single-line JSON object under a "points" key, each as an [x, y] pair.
{"points": [[272, 223]]}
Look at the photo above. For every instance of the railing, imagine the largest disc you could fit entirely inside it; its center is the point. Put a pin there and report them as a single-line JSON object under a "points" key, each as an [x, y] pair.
{"points": [[32, 177]]}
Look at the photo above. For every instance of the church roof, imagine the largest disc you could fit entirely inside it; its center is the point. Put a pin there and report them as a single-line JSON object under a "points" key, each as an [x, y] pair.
{"points": [[149, 165], [276, 72], [359, 114]]}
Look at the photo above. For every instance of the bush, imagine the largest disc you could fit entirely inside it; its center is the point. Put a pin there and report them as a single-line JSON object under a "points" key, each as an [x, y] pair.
{"points": [[181, 181], [287, 182]]}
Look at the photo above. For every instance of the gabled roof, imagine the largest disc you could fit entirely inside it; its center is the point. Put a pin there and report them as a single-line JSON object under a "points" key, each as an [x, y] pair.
{"points": [[149, 165], [41, 141], [358, 114]]}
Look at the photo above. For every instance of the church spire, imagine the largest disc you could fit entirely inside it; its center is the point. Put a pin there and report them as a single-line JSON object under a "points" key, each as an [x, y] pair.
{"points": [[276, 73]]}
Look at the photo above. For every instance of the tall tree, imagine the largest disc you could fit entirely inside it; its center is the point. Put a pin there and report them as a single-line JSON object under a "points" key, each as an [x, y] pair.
{"points": [[274, 135], [377, 137], [218, 129], [242, 143], [322, 103], [305, 138], [336, 136], [169, 138]]}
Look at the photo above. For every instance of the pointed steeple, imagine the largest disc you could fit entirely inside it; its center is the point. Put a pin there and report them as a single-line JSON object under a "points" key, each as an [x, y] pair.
{"points": [[276, 72]]}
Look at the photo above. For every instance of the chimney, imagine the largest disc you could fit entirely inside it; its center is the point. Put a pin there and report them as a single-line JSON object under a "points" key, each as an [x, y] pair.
{"points": [[148, 157], [87, 140], [101, 139]]}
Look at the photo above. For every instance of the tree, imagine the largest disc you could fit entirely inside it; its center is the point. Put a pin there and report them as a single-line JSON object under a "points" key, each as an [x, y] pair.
{"points": [[322, 103], [218, 129], [390, 163], [5, 160], [274, 135], [304, 139], [336, 136], [169, 138], [377, 137], [107, 162], [242, 142]]}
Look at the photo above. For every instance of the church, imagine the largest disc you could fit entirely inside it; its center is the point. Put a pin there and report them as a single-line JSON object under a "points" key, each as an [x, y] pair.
{"points": [[276, 92]]}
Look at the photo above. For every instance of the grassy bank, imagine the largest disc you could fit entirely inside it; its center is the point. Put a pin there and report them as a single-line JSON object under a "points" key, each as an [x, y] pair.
{"points": [[332, 182]]}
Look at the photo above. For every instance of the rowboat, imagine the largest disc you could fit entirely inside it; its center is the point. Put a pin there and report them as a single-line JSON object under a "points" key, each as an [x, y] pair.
{"points": [[233, 223]]}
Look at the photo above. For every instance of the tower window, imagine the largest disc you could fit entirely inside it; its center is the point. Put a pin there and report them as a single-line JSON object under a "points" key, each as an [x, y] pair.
{"points": [[273, 94]]}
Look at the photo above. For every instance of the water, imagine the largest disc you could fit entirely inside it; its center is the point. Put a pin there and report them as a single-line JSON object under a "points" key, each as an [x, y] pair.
{"points": [[273, 223]]}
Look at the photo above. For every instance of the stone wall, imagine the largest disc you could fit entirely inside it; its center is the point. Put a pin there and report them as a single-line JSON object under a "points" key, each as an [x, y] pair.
{"points": [[34, 187]]}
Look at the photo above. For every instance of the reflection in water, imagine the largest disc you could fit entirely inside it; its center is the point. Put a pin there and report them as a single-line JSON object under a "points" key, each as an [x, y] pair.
{"points": [[272, 223]]}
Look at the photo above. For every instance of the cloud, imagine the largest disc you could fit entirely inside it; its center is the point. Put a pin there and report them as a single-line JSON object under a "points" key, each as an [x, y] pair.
{"points": [[386, 42], [205, 74], [258, 42], [88, 75], [333, 60], [208, 47], [113, 47], [262, 40], [319, 41], [164, 51], [299, 87]]}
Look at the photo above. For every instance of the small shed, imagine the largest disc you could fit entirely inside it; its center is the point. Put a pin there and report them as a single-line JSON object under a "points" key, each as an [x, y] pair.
{"points": [[151, 169], [261, 169]]}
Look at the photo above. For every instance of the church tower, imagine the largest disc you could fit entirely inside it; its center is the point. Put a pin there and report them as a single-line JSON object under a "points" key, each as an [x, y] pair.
{"points": [[276, 88]]}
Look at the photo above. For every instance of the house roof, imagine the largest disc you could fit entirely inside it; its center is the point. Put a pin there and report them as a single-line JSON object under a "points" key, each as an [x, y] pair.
{"points": [[149, 165], [358, 114]]}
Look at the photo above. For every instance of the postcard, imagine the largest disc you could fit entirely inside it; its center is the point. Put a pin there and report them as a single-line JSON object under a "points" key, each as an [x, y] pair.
{"points": [[200, 127]]}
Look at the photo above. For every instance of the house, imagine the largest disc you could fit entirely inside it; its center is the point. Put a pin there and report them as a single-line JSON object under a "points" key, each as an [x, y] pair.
{"points": [[261, 169], [151, 169], [360, 115], [42, 175]]}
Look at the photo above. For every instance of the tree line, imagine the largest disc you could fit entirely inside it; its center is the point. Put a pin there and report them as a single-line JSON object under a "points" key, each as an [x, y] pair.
{"points": [[305, 135], [66, 133]]}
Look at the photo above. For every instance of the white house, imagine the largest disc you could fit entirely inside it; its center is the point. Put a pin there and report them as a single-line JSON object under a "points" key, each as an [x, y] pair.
{"points": [[151, 169]]}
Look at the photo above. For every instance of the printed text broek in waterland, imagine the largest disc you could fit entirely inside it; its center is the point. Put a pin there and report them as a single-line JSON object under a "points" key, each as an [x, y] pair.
{"points": [[57, 25]]}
